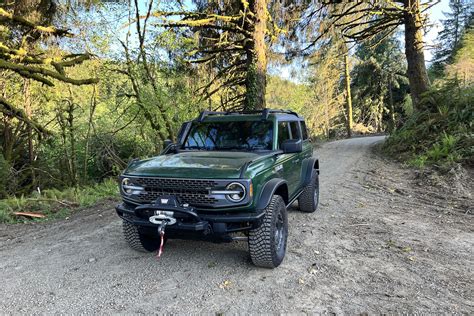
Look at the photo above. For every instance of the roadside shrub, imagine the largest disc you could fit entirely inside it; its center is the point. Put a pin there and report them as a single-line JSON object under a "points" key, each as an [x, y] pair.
{"points": [[361, 129], [441, 132], [107, 155], [54, 203]]}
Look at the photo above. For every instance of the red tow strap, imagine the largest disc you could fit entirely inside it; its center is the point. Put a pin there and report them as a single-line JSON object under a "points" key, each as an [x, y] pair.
{"points": [[160, 251]]}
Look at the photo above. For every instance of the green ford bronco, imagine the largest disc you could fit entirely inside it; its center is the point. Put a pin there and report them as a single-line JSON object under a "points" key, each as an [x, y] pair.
{"points": [[230, 176]]}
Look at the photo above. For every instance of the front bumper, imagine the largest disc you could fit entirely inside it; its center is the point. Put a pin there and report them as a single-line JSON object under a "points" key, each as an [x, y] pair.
{"points": [[189, 223]]}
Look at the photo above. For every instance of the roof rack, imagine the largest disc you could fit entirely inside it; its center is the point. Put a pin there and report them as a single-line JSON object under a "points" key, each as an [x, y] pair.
{"points": [[265, 113], [203, 114]]}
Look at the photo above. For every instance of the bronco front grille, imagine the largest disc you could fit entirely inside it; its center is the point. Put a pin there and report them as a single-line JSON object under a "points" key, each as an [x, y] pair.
{"points": [[192, 191]]}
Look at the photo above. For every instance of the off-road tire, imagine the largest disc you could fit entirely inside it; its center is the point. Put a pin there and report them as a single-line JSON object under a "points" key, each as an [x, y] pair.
{"points": [[308, 200], [137, 240], [267, 248]]}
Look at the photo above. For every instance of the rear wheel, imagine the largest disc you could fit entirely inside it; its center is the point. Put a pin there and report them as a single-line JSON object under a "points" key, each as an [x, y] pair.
{"points": [[267, 243], [137, 240], [309, 199]]}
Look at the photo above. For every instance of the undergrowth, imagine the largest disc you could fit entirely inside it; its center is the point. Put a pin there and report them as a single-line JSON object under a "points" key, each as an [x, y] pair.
{"points": [[55, 203], [440, 133]]}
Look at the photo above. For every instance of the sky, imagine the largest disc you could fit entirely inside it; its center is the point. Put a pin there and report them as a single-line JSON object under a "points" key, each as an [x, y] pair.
{"points": [[435, 15]]}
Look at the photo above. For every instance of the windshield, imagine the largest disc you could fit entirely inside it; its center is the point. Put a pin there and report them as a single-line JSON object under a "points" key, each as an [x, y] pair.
{"points": [[240, 135]]}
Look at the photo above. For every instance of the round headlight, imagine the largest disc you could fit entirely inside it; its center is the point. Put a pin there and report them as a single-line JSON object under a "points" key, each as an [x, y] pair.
{"points": [[236, 192], [129, 188], [126, 186]]}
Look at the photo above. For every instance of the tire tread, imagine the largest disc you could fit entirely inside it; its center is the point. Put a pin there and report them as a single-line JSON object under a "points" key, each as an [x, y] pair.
{"points": [[306, 199], [260, 239], [135, 240]]}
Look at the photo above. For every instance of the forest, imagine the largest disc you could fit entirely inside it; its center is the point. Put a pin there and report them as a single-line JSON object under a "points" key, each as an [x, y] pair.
{"points": [[88, 85]]}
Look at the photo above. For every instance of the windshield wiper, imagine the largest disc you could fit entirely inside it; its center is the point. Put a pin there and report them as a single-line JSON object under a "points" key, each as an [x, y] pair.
{"points": [[232, 148]]}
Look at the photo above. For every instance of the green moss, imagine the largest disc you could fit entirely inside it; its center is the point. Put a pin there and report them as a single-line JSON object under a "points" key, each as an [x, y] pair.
{"points": [[251, 93]]}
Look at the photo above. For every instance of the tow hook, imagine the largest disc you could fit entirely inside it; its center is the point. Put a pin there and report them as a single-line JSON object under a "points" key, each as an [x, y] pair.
{"points": [[163, 216], [162, 219]]}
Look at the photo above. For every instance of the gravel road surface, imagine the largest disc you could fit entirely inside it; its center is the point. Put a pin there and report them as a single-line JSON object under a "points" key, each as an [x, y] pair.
{"points": [[380, 242]]}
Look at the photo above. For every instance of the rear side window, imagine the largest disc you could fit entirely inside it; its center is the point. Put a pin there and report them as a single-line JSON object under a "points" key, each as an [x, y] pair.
{"points": [[303, 130], [283, 132], [295, 133]]}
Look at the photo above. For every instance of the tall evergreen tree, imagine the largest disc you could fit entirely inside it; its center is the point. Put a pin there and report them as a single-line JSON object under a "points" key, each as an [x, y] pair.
{"points": [[379, 82], [231, 41], [448, 40]]}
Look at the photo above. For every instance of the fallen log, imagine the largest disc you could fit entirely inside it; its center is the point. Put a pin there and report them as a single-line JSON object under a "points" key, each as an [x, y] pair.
{"points": [[29, 214]]}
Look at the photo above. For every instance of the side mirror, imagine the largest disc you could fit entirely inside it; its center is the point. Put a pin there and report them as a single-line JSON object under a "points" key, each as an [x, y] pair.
{"points": [[166, 143], [290, 146]]}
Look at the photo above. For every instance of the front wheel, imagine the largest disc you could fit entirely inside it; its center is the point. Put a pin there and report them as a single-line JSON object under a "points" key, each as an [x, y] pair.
{"points": [[267, 243], [137, 240]]}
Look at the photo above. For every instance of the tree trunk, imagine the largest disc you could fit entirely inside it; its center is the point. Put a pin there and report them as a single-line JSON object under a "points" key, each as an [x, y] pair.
{"points": [[380, 114], [92, 108], [393, 124], [72, 142], [28, 112], [256, 80], [457, 13], [326, 117], [150, 78], [417, 74], [8, 139], [348, 96]]}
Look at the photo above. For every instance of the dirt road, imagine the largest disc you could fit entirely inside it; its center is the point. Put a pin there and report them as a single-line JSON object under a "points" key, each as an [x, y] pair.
{"points": [[380, 242]]}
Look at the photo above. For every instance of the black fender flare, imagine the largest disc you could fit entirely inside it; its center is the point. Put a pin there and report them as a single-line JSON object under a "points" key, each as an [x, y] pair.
{"points": [[310, 166], [269, 190]]}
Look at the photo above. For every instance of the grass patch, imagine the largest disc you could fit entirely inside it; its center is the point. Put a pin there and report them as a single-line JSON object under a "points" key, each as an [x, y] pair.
{"points": [[55, 203]]}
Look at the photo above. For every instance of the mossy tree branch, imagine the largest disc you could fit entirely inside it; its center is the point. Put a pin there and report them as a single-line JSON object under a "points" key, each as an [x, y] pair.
{"points": [[19, 56], [41, 74], [10, 110], [21, 21]]}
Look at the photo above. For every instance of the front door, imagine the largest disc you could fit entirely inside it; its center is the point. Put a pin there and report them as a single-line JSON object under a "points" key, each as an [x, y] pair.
{"points": [[297, 159], [291, 163]]}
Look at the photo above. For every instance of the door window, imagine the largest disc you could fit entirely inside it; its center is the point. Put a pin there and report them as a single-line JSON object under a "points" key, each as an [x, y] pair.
{"points": [[304, 130], [295, 132], [283, 132]]}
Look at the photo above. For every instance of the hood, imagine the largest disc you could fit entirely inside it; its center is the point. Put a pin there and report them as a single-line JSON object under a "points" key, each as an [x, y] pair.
{"points": [[193, 164]]}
